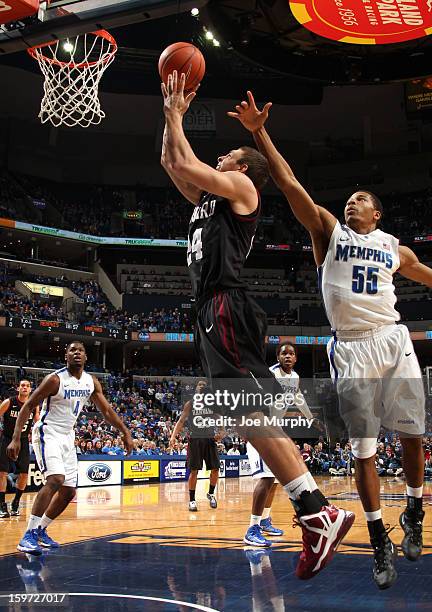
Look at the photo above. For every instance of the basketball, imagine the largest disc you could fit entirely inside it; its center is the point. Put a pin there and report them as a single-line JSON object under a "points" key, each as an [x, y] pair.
{"points": [[183, 57]]}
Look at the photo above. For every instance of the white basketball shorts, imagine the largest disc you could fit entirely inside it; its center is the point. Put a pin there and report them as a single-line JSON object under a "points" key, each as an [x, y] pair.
{"points": [[258, 468], [379, 381], [55, 453]]}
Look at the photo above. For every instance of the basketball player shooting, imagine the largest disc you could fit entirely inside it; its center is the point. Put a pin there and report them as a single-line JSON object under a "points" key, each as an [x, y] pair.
{"points": [[64, 394], [379, 381], [231, 327]]}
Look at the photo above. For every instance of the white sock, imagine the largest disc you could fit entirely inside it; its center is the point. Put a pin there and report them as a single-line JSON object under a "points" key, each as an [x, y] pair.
{"points": [[311, 481], [414, 491], [266, 513], [45, 521], [254, 520], [296, 487], [373, 516], [33, 522]]}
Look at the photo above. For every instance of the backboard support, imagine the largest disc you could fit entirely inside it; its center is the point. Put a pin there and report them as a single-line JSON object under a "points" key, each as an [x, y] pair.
{"points": [[59, 19]]}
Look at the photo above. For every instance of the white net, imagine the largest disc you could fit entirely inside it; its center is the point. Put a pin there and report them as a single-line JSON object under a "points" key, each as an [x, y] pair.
{"points": [[72, 69]]}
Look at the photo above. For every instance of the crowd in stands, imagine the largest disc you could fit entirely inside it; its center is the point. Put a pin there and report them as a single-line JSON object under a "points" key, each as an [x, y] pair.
{"points": [[151, 408], [98, 210]]}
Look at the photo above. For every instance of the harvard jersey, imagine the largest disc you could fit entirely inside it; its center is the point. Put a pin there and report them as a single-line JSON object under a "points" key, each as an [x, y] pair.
{"points": [[219, 242], [290, 382], [61, 411], [10, 419], [356, 279]]}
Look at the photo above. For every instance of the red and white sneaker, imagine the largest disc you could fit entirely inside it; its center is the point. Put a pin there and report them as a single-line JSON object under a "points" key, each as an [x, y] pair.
{"points": [[322, 534]]}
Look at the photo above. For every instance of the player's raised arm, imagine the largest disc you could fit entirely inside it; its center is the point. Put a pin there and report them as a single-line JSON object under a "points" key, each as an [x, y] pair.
{"points": [[49, 386], [110, 416], [180, 161], [316, 219], [179, 426], [412, 268]]}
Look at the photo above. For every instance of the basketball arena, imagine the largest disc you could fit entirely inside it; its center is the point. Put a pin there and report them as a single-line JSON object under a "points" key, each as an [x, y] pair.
{"points": [[215, 305]]}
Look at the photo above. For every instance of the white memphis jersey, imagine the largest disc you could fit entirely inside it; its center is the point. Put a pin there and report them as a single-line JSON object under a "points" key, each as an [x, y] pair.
{"points": [[60, 412], [290, 382], [356, 279]]}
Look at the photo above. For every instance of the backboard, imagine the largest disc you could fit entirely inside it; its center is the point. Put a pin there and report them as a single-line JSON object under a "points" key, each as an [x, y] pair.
{"points": [[58, 19]]}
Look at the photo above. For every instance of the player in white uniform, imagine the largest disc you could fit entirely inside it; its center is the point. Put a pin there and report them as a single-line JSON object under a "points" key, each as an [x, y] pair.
{"points": [[265, 488], [379, 380], [63, 394]]}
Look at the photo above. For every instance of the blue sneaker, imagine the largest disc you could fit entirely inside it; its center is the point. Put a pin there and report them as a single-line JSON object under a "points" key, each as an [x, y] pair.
{"points": [[29, 543], [254, 537], [45, 540], [267, 527]]}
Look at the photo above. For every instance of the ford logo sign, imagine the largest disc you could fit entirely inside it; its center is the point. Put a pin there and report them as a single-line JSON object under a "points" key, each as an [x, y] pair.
{"points": [[99, 472]]}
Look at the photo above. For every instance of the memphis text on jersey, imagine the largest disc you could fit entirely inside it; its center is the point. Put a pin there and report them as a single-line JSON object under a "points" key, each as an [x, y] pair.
{"points": [[70, 393], [345, 252]]}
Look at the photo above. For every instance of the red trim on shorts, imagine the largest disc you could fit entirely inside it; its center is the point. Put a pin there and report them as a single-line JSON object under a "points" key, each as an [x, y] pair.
{"points": [[235, 351]]}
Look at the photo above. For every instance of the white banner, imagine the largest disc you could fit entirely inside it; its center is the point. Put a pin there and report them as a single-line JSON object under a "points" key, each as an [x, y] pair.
{"points": [[98, 473]]}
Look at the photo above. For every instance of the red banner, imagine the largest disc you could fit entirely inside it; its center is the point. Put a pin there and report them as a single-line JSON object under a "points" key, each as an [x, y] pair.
{"points": [[365, 22], [14, 10]]}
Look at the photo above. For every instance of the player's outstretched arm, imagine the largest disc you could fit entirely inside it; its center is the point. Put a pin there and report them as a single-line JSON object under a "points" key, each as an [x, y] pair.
{"points": [[190, 192], [180, 161], [179, 426], [4, 406], [316, 219], [49, 386], [412, 268], [110, 416]]}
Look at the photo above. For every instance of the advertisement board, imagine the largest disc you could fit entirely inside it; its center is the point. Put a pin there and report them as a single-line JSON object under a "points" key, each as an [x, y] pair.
{"points": [[140, 470], [172, 470], [96, 473], [35, 479], [222, 469], [231, 468], [244, 467]]}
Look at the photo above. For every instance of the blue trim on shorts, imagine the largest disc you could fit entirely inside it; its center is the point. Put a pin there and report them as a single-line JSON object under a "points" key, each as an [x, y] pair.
{"points": [[332, 356], [44, 468]]}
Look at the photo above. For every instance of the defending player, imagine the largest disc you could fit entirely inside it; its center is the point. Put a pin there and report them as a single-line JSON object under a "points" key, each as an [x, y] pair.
{"points": [[378, 377], [265, 488], [10, 408], [200, 450], [231, 327], [64, 394]]}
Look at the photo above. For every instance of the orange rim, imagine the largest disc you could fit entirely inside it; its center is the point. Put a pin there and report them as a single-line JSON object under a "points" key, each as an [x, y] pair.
{"points": [[32, 51]]}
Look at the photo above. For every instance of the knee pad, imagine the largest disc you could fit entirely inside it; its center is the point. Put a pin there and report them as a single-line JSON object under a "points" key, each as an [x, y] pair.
{"points": [[363, 448]]}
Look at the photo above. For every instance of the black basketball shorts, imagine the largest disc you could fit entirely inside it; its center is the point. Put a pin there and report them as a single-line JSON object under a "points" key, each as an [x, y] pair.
{"points": [[202, 449], [230, 341], [22, 462]]}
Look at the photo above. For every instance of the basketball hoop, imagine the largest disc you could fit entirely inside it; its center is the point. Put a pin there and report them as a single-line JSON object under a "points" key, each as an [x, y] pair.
{"points": [[72, 69]]}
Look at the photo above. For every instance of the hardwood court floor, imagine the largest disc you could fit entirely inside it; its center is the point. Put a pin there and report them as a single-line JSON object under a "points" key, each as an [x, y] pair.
{"points": [[142, 542]]}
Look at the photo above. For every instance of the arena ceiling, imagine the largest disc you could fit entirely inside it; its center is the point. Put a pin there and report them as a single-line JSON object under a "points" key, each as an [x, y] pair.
{"points": [[262, 47]]}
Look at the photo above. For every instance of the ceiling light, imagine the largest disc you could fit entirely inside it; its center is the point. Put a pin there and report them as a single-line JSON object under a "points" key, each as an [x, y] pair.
{"points": [[195, 12], [209, 35]]}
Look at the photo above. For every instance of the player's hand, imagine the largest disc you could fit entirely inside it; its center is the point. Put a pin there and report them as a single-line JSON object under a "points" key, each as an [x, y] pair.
{"points": [[13, 450], [128, 442], [174, 94], [249, 115]]}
